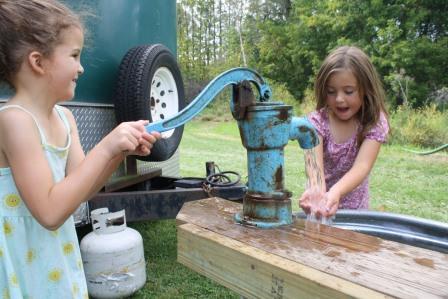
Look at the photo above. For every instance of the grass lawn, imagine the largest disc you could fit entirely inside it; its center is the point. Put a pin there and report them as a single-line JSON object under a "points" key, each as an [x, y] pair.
{"points": [[401, 182]]}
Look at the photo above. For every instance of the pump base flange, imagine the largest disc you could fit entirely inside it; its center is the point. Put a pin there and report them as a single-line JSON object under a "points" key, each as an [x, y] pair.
{"points": [[260, 223]]}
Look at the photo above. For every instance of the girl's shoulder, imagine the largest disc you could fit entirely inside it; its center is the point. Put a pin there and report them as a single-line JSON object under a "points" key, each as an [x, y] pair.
{"points": [[17, 119], [380, 130], [320, 120], [17, 128]]}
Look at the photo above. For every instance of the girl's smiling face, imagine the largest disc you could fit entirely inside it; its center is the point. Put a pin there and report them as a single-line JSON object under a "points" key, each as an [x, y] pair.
{"points": [[343, 95], [64, 64]]}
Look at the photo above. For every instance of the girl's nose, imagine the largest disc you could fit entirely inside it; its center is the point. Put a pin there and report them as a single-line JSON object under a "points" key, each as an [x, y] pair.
{"points": [[339, 97], [80, 69]]}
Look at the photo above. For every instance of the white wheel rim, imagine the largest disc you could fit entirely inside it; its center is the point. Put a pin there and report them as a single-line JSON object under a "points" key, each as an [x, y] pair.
{"points": [[164, 101]]}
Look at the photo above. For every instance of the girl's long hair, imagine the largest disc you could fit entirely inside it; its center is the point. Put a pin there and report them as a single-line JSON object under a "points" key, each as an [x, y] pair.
{"points": [[370, 87], [30, 25]]}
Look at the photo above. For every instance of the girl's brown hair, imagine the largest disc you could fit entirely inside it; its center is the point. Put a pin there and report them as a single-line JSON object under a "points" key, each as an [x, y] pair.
{"points": [[30, 25], [373, 97]]}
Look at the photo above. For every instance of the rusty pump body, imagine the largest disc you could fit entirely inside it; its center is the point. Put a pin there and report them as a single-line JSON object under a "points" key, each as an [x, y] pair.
{"points": [[265, 128]]}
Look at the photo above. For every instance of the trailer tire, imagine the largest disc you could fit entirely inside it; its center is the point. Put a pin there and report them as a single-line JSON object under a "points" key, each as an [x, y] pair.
{"points": [[150, 86]]}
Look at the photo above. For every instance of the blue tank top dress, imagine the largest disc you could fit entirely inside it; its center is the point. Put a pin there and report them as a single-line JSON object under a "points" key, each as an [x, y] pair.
{"points": [[34, 261]]}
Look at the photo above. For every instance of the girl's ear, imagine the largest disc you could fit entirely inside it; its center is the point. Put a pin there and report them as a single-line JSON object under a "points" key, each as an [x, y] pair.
{"points": [[35, 61]]}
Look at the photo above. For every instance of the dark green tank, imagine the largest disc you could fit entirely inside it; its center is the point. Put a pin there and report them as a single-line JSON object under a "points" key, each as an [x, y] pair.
{"points": [[115, 27]]}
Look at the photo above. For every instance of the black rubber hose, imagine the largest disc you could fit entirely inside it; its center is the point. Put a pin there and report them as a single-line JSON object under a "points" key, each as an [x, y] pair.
{"points": [[216, 179]]}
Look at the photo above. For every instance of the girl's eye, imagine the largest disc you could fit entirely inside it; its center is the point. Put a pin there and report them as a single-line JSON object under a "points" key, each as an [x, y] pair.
{"points": [[349, 92], [76, 55], [331, 92]]}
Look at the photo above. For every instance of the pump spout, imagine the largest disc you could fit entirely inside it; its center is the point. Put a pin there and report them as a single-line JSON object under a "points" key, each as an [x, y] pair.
{"points": [[302, 130]]}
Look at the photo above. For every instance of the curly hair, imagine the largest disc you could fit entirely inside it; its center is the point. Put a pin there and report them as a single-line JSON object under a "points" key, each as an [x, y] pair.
{"points": [[355, 60], [30, 25]]}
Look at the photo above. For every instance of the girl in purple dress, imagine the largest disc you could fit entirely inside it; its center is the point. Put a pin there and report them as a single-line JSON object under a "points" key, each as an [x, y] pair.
{"points": [[351, 121]]}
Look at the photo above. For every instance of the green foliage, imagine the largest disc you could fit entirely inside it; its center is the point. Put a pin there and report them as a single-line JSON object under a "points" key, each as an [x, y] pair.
{"points": [[309, 102], [219, 108], [405, 37], [286, 41], [440, 98], [280, 93], [424, 127]]}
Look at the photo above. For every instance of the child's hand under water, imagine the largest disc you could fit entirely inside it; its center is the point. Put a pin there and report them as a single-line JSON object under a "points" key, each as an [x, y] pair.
{"points": [[314, 202], [332, 203]]}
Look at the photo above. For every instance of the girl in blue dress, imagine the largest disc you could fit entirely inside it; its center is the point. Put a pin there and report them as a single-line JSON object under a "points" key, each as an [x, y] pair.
{"points": [[44, 174]]}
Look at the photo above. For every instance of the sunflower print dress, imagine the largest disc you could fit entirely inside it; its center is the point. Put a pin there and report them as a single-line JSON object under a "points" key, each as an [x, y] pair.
{"points": [[34, 261]]}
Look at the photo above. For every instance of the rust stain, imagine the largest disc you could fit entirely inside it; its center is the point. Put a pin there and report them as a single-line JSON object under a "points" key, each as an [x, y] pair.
{"points": [[283, 114], [249, 115], [278, 178], [425, 262], [333, 253], [355, 274], [314, 138], [401, 253], [304, 129]]}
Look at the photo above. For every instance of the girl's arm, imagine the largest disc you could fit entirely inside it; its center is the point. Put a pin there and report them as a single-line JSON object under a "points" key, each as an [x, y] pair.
{"points": [[49, 202], [76, 156], [360, 170]]}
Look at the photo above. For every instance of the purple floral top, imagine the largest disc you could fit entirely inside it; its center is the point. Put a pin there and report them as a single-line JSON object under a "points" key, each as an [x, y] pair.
{"points": [[339, 158]]}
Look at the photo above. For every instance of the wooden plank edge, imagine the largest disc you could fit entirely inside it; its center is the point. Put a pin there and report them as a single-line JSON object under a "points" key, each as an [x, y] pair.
{"points": [[254, 273]]}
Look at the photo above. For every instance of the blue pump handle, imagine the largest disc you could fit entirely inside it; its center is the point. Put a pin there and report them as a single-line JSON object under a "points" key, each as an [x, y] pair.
{"points": [[232, 76]]}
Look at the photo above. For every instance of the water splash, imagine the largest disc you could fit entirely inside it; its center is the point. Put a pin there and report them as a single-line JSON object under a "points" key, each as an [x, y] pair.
{"points": [[315, 188]]}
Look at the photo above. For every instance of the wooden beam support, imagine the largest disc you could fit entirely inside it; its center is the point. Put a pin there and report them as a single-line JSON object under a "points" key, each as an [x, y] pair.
{"points": [[304, 260]]}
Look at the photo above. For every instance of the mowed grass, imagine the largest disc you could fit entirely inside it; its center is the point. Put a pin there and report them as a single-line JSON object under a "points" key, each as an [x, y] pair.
{"points": [[401, 182]]}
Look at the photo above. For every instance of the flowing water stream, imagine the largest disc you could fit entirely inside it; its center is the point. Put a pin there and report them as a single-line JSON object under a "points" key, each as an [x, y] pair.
{"points": [[316, 199]]}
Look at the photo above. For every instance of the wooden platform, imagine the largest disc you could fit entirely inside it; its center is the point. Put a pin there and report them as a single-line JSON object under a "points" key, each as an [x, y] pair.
{"points": [[304, 260]]}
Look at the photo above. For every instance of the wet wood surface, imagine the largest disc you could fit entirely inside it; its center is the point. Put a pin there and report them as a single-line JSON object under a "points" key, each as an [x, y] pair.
{"points": [[303, 260]]}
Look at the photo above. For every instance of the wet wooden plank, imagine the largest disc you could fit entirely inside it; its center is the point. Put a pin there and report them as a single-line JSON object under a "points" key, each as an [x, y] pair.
{"points": [[342, 261], [255, 273]]}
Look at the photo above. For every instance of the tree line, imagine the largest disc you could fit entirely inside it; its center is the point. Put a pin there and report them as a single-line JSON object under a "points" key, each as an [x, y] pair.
{"points": [[286, 41]]}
